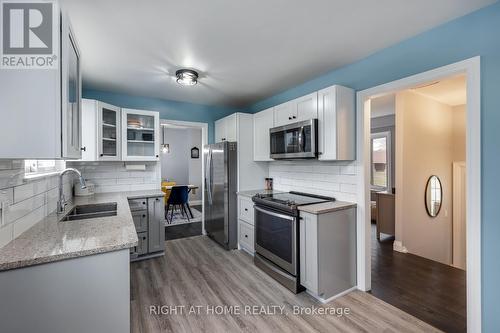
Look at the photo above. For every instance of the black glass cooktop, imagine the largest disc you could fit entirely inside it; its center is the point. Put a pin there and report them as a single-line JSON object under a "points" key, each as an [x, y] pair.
{"points": [[294, 198]]}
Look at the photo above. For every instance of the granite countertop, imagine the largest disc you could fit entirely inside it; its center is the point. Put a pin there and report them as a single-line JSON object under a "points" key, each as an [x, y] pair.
{"points": [[251, 193], [326, 207], [51, 240]]}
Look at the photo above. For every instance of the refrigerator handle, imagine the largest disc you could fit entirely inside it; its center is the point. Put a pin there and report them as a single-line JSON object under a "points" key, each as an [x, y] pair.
{"points": [[208, 177]]}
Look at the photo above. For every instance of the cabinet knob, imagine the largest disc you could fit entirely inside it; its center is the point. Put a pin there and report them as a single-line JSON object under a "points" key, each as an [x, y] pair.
{"points": [[294, 117], [320, 153], [289, 118], [143, 215], [83, 149], [246, 209], [143, 203], [246, 236], [102, 154], [157, 155]]}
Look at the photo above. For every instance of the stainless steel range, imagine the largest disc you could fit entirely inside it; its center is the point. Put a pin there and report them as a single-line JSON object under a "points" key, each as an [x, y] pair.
{"points": [[277, 234]]}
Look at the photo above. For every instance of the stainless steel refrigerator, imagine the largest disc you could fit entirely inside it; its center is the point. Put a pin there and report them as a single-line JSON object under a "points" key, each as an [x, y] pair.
{"points": [[220, 193]]}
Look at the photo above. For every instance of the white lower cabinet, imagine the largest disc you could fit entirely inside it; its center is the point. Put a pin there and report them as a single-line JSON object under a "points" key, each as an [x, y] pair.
{"points": [[328, 252], [246, 237], [246, 223]]}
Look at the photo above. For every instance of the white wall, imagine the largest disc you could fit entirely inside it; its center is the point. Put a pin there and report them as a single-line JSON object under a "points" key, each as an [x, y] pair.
{"points": [[195, 176], [27, 201], [175, 164], [178, 166], [424, 147], [113, 176], [337, 179]]}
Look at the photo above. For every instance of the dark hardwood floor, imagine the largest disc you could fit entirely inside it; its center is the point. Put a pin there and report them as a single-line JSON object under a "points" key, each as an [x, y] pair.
{"points": [[426, 289]]}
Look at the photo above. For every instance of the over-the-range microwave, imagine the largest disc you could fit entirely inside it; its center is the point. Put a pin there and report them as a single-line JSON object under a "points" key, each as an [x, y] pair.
{"points": [[294, 141]]}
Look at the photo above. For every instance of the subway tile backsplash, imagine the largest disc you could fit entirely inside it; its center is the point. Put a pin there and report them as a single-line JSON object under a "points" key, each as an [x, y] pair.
{"points": [[336, 179], [25, 201], [113, 176]]}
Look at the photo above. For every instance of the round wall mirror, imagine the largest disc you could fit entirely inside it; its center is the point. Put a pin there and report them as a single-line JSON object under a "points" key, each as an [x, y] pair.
{"points": [[433, 196]]}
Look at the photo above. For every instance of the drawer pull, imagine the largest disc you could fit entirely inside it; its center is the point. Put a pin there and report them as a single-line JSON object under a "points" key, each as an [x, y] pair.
{"points": [[246, 236], [246, 209], [143, 215]]}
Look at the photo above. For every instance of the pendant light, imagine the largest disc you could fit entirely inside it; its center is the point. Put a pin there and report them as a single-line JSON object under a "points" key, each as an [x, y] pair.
{"points": [[165, 147]]}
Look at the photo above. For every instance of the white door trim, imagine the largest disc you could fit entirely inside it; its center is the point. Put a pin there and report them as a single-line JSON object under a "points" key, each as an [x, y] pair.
{"points": [[471, 68], [457, 200], [204, 141]]}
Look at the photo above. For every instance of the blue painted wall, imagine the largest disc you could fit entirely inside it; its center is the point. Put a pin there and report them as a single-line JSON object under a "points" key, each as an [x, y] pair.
{"points": [[472, 35], [168, 109]]}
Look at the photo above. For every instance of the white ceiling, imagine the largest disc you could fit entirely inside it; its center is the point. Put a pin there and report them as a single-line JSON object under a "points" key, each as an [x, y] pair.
{"points": [[452, 91], [244, 50]]}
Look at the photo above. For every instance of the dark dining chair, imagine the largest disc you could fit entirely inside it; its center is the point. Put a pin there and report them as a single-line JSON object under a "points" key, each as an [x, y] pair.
{"points": [[179, 196]]}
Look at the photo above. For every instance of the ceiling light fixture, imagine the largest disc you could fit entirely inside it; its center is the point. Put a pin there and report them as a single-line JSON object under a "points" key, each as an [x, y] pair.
{"points": [[186, 77]]}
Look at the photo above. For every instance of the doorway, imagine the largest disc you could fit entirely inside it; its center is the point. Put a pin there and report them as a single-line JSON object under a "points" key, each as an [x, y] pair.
{"points": [[471, 69], [416, 238], [182, 171]]}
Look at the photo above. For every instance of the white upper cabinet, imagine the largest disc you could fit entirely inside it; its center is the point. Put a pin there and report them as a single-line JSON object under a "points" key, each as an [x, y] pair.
{"points": [[284, 114], [336, 124], [140, 135], [226, 128], [299, 109], [262, 122], [306, 107], [41, 108], [101, 131]]}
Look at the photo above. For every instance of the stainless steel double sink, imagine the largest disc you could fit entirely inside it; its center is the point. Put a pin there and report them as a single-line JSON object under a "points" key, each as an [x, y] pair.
{"points": [[82, 212]]}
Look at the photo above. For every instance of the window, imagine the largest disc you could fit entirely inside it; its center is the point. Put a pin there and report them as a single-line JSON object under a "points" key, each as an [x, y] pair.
{"points": [[381, 161], [41, 167]]}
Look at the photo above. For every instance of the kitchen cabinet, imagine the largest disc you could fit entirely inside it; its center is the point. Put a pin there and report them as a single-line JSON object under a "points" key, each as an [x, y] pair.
{"points": [[148, 216], [101, 131], [156, 228], [240, 129], [41, 108], [336, 124], [246, 224], [327, 246], [226, 128], [140, 135], [262, 122], [299, 109]]}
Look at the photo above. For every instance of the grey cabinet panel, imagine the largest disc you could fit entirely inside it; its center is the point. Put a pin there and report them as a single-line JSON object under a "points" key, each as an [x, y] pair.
{"points": [[138, 204], [156, 228], [140, 218], [142, 245]]}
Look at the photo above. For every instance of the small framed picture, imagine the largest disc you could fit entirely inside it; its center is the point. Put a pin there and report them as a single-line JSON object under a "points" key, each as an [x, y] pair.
{"points": [[195, 152]]}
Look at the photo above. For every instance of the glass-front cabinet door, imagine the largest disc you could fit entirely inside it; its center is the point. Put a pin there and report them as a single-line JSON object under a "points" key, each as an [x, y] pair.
{"points": [[140, 135], [109, 132]]}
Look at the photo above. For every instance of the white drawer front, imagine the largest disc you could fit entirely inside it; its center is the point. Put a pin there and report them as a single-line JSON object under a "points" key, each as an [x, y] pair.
{"points": [[246, 209], [246, 236]]}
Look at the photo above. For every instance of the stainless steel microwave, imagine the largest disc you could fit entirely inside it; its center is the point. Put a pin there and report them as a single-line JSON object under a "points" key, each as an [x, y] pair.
{"points": [[297, 140]]}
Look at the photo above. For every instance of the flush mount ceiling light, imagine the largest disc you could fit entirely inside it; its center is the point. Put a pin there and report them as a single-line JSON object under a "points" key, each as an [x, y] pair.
{"points": [[186, 77]]}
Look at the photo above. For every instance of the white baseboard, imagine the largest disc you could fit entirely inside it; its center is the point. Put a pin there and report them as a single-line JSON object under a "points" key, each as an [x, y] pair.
{"points": [[328, 300], [194, 202], [398, 246]]}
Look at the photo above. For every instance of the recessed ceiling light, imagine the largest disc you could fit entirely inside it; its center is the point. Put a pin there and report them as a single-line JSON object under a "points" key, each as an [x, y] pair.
{"points": [[186, 77]]}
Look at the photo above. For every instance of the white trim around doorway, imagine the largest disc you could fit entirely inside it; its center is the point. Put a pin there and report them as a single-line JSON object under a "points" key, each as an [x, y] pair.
{"points": [[471, 68], [204, 141]]}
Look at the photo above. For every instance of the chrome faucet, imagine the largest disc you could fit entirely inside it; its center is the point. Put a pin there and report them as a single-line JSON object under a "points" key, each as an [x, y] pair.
{"points": [[61, 204]]}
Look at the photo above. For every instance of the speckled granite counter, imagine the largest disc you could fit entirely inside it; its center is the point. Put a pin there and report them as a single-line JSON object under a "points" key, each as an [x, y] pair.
{"points": [[50, 240], [326, 207], [251, 193]]}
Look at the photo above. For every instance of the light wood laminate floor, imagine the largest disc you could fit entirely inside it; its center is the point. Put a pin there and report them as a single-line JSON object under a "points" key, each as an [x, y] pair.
{"points": [[197, 272]]}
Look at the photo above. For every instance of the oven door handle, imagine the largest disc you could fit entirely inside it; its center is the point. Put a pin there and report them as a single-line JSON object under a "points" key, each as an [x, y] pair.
{"points": [[281, 216]]}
